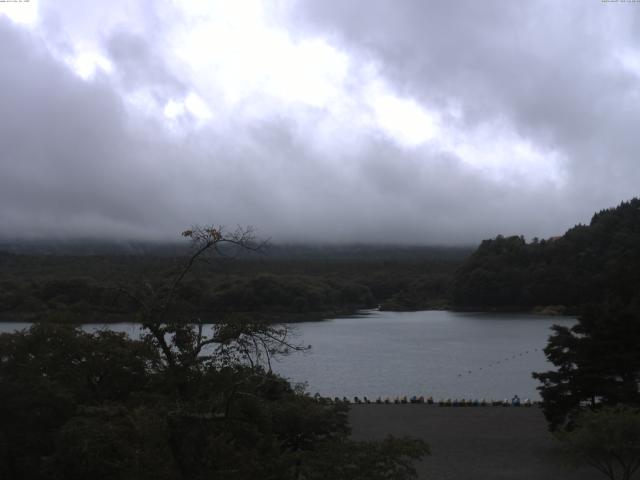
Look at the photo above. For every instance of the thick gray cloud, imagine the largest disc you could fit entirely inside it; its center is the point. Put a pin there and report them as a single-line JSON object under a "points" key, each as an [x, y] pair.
{"points": [[68, 165], [95, 156], [553, 70], [139, 66]]}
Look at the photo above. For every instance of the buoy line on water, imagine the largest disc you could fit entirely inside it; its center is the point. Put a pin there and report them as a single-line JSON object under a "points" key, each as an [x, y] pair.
{"points": [[448, 402], [514, 402], [495, 363]]}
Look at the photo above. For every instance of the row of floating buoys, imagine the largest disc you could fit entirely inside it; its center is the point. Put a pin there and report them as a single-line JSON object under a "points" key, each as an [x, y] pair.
{"points": [[514, 402], [501, 361], [448, 402]]}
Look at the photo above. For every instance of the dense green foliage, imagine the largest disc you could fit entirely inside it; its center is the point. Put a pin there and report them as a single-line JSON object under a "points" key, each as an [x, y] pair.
{"points": [[180, 403], [78, 405], [83, 288], [594, 270], [586, 264], [597, 360], [607, 439]]}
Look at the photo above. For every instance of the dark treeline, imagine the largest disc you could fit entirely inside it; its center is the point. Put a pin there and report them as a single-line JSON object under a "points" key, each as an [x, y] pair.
{"points": [[77, 405], [279, 251], [288, 282], [176, 404], [590, 397], [587, 264]]}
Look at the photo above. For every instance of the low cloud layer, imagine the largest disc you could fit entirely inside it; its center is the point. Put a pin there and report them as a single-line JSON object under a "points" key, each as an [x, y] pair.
{"points": [[334, 121]]}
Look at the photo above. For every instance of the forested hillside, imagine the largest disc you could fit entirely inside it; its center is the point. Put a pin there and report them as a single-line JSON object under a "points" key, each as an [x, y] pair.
{"points": [[283, 284], [587, 264]]}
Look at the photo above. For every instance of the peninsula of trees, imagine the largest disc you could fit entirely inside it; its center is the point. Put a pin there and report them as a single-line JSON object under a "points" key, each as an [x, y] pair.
{"points": [[587, 264]]}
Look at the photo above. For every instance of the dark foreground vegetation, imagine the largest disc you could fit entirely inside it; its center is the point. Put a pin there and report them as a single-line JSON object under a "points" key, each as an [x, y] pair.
{"points": [[176, 404], [75, 405], [591, 399]]}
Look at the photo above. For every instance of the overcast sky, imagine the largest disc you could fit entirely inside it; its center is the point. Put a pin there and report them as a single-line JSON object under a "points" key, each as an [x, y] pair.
{"points": [[413, 121]]}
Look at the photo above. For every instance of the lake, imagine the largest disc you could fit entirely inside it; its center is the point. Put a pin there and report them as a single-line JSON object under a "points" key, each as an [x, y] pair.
{"points": [[439, 353]]}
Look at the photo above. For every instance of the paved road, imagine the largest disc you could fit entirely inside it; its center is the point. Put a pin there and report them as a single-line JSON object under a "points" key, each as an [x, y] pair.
{"points": [[472, 443]]}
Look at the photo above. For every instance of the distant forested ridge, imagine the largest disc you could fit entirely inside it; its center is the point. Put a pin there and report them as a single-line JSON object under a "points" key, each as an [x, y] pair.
{"points": [[59, 282], [586, 265]]}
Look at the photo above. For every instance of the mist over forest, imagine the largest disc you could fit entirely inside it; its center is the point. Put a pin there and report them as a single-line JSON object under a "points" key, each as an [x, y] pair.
{"points": [[333, 123], [184, 185]]}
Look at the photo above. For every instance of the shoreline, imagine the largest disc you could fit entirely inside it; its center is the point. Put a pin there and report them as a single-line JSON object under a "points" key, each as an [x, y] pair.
{"points": [[274, 318]]}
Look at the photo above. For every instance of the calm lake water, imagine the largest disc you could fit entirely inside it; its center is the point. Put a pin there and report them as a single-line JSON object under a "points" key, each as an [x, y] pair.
{"points": [[438, 353]]}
